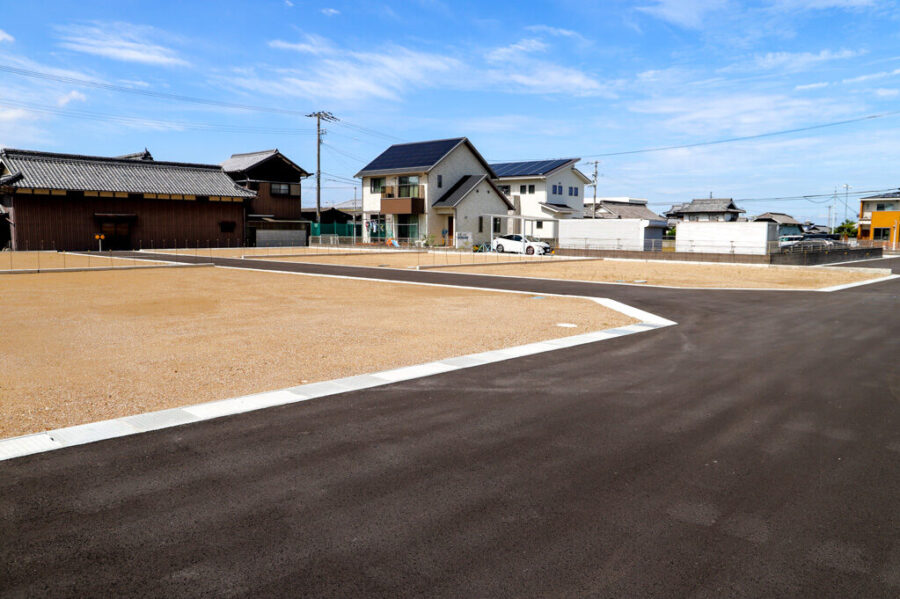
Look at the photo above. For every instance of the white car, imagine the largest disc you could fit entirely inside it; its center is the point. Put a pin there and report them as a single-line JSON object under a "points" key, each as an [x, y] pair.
{"points": [[519, 244]]}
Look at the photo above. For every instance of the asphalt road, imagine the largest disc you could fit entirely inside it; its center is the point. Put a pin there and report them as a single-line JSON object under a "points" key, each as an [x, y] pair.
{"points": [[750, 451]]}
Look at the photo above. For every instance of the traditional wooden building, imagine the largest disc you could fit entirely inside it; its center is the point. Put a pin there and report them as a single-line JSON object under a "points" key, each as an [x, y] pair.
{"points": [[62, 201], [274, 216]]}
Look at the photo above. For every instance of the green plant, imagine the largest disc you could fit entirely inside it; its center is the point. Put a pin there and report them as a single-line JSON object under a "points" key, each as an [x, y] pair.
{"points": [[846, 229]]}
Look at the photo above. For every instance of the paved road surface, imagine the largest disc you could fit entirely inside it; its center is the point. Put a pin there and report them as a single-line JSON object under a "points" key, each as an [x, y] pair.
{"points": [[751, 451]]}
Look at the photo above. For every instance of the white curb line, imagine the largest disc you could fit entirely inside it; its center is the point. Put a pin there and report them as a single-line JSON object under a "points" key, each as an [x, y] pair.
{"points": [[16, 447]]}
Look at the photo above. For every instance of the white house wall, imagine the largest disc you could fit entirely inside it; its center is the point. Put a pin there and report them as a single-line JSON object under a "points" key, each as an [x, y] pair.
{"points": [[530, 203], [725, 238]]}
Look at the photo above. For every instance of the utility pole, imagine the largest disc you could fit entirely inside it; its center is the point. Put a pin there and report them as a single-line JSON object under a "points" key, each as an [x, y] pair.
{"points": [[846, 200], [329, 118], [596, 163]]}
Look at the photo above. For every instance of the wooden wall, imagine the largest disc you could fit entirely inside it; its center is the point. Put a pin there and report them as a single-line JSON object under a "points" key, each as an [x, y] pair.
{"points": [[67, 222], [283, 207]]}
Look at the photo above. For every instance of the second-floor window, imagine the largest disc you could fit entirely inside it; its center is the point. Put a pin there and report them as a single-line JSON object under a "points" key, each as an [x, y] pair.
{"points": [[440, 180], [408, 187], [505, 189], [530, 189], [376, 184], [280, 189], [523, 189]]}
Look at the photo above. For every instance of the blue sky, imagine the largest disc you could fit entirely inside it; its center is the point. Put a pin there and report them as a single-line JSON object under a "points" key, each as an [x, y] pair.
{"points": [[522, 80]]}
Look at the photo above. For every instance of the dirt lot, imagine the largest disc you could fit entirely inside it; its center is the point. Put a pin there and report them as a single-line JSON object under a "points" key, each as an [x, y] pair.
{"points": [[39, 260], [414, 259], [682, 275], [238, 252], [81, 347]]}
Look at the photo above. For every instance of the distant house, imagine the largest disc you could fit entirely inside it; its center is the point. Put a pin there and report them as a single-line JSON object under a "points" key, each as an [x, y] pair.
{"points": [[273, 216], [543, 189], [787, 225], [62, 201], [440, 189], [879, 218], [705, 210]]}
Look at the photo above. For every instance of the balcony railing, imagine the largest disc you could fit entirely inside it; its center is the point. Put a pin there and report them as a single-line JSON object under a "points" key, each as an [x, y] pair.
{"points": [[403, 191]]}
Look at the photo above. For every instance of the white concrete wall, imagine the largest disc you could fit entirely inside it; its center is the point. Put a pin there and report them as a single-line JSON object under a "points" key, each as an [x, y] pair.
{"points": [[612, 234], [725, 238], [543, 192]]}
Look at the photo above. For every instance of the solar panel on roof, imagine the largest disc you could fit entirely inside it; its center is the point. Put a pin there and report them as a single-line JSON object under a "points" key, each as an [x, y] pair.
{"points": [[531, 168], [423, 154]]}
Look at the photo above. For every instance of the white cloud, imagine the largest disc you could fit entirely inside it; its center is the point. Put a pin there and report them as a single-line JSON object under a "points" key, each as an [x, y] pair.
{"points": [[739, 114], [312, 44], [5, 37], [886, 93], [690, 14], [330, 12], [288, 3], [119, 41], [872, 76], [73, 95], [798, 61], [819, 85], [820, 4], [558, 32], [517, 51]]}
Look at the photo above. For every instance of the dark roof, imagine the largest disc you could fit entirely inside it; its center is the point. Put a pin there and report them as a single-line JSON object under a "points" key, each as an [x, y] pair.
{"points": [[239, 163], [777, 217], [145, 155], [417, 157], [556, 207], [892, 194], [46, 170], [530, 168], [711, 205], [626, 210], [462, 188]]}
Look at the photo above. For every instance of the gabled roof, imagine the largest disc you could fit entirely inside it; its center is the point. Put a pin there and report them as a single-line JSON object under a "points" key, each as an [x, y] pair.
{"points": [[239, 163], [711, 205], [892, 194], [46, 170], [418, 157], [777, 217], [462, 188], [607, 209], [531, 168]]}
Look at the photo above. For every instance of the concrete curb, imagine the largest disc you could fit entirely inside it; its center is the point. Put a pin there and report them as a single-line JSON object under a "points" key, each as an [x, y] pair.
{"points": [[16, 447], [31, 271]]}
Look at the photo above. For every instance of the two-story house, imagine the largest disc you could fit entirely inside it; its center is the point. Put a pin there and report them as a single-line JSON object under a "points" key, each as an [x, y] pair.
{"points": [[705, 210], [274, 216], [879, 218], [543, 191], [441, 191]]}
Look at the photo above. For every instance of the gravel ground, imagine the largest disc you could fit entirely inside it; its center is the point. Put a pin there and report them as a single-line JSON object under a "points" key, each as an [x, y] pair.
{"points": [[81, 347], [682, 275], [36, 260]]}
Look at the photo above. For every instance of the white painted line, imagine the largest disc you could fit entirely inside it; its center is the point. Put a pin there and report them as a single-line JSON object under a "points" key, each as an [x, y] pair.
{"points": [[859, 283], [129, 425]]}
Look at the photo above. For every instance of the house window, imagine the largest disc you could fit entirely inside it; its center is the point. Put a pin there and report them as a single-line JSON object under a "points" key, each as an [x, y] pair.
{"points": [[576, 191], [440, 180], [408, 187], [280, 189], [522, 189], [530, 189], [571, 191], [376, 184], [539, 224], [879, 207], [505, 189], [881, 233], [495, 224], [480, 224]]}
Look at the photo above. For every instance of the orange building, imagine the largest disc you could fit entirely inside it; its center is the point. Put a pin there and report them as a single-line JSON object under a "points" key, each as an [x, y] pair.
{"points": [[879, 218]]}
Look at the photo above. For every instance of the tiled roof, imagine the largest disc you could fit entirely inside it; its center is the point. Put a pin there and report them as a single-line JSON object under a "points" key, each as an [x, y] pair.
{"points": [[892, 194], [711, 205], [241, 162], [417, 157], [530, 168], [778, 217], [46, 170], [626, 210]]}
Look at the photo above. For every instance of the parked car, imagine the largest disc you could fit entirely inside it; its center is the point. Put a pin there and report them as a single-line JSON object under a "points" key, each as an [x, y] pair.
{"points": [[519, 244], [808, 245], [786, 240]]}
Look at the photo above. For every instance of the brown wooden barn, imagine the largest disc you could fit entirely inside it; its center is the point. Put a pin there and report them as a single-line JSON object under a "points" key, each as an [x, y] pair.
{"points": [[273, 216], [61, 201]]}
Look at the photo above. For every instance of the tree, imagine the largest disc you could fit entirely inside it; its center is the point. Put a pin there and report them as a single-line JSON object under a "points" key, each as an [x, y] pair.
{"points": [[846, 229]]}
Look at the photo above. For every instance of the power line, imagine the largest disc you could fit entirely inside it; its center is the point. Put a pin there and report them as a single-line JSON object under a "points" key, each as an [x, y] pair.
{"points": [[826, 197], [96, 116]]}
